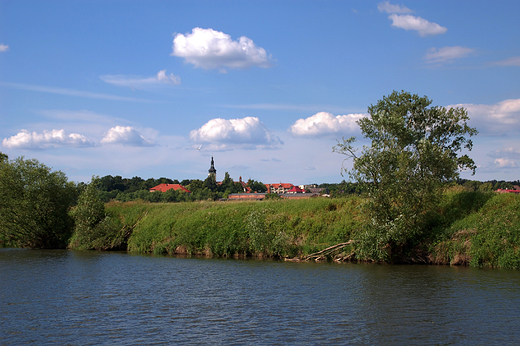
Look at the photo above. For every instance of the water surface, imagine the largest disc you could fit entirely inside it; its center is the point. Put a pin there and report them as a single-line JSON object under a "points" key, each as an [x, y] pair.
{"points": [[91, 298]]}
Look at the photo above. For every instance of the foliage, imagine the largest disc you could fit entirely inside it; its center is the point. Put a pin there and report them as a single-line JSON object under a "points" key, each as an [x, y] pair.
{"points": [[268, 228], [256, 186], [34, 205], [93, 228], [272, 196], [261, 240], [413, 153], [481, 229]]}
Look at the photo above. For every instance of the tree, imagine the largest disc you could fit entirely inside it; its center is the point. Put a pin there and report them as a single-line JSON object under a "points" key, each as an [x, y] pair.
{"points": [[210, 183], [226, 185], [256, 186], [34, 205], [414, 151], [93, 228]]}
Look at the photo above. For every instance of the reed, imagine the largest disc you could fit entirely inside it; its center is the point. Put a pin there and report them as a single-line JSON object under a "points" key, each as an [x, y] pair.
{"points": [[267, 228], [469, 228]]}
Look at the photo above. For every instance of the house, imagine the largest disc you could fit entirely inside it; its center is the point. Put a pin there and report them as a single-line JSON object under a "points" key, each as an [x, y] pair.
{"points": [[508, 191], [296, 189], [318, 190], [166, 187], [280, 188]]}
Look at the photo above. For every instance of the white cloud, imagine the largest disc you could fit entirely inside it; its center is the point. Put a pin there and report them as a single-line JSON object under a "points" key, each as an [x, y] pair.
{"points": [[126, 135], [498, 119], [323, 123], [210, 49], [421, 25], [505, 163], [138, 82], [514, 61], [387, 7], [246, 133], [71, 92], [47, 139], [446, 54], [4, 48]]}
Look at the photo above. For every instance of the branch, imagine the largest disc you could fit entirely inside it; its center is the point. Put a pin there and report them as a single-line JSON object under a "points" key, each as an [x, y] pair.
{"points": [[329, 250]]}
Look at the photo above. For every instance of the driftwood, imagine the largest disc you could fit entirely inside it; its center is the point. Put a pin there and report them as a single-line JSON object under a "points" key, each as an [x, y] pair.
{"points": [[323, 254]]}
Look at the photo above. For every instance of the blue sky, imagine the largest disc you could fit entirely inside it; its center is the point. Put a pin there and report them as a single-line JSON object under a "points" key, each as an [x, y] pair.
{"points": [[155, 88]]}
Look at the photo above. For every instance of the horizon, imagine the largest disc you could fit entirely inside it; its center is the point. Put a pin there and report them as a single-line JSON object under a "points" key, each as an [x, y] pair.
{"points": [[96, 88]]}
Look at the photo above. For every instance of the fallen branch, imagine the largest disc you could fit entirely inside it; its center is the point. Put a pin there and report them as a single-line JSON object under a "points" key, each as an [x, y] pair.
{"points": [[325, 252]]}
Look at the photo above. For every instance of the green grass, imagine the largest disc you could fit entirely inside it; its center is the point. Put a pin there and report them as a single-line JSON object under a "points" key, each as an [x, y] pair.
{"points": [[470, 228], [267, 228], [486, 232]]}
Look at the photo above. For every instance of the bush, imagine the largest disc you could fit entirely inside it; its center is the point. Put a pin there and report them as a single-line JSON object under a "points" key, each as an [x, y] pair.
{"points": [[93, 228], [34, 205]]}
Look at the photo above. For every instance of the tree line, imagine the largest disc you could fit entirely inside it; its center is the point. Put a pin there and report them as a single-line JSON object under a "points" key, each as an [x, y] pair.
{"points": [[136, 188]]}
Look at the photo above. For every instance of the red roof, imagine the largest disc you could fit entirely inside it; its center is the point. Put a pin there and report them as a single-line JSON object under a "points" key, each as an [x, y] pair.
{"points": [[296, 189], [166, 187], [508, 191]]}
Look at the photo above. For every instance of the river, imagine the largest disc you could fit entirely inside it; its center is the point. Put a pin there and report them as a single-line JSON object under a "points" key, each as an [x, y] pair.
{"points": [[92, 298]]}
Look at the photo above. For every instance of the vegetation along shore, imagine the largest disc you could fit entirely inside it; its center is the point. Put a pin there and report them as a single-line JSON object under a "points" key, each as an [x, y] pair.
{"points": [[404, 203]]}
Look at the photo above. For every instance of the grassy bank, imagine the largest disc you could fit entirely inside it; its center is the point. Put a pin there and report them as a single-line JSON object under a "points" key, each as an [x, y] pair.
{"points": [[470, 228], [267, 228], [480, 229]]}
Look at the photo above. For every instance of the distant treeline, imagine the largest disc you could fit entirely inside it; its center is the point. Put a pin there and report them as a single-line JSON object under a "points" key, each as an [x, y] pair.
{"points": [[136, 188], [491, 185]]}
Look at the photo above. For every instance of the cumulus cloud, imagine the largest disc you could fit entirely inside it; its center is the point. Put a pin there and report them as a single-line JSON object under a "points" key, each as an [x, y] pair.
{"points": [[387, 7], [47, 139], [446, 54], [246, 133], [505, 163], [324, 123], [126, 135], [4, 48], [498, 119], [138, 82], [210, 49], [514, 61], [421, 25]]}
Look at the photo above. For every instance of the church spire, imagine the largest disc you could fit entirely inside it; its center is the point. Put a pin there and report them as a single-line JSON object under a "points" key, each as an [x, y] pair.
{"points": [[212, 171]]}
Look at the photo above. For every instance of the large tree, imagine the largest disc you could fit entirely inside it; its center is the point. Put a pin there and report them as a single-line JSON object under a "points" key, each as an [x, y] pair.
{"points": [[34, 205], [415, 149]]}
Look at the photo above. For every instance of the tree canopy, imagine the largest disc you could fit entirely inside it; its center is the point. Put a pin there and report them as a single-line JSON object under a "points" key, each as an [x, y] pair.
{"points": [[34, 205], [415, 149]]}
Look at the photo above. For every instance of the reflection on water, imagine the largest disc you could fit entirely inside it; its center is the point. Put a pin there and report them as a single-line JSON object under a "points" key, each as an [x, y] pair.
{"points": [[82, 298]]}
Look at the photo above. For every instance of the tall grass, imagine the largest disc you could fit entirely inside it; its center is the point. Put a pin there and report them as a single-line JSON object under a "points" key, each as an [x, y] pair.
{"points": [[480, 229], [469, 228], [267, 228]]}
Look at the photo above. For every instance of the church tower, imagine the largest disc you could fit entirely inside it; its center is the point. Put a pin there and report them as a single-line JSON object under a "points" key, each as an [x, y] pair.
{"points": [[212, 172]]}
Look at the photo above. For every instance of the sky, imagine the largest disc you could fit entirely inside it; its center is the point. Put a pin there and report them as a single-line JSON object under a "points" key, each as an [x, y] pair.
{"points": [[156, 88]]}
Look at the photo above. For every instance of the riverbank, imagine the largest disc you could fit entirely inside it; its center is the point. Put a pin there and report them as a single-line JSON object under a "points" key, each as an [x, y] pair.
{"points": [[470, 228]]}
